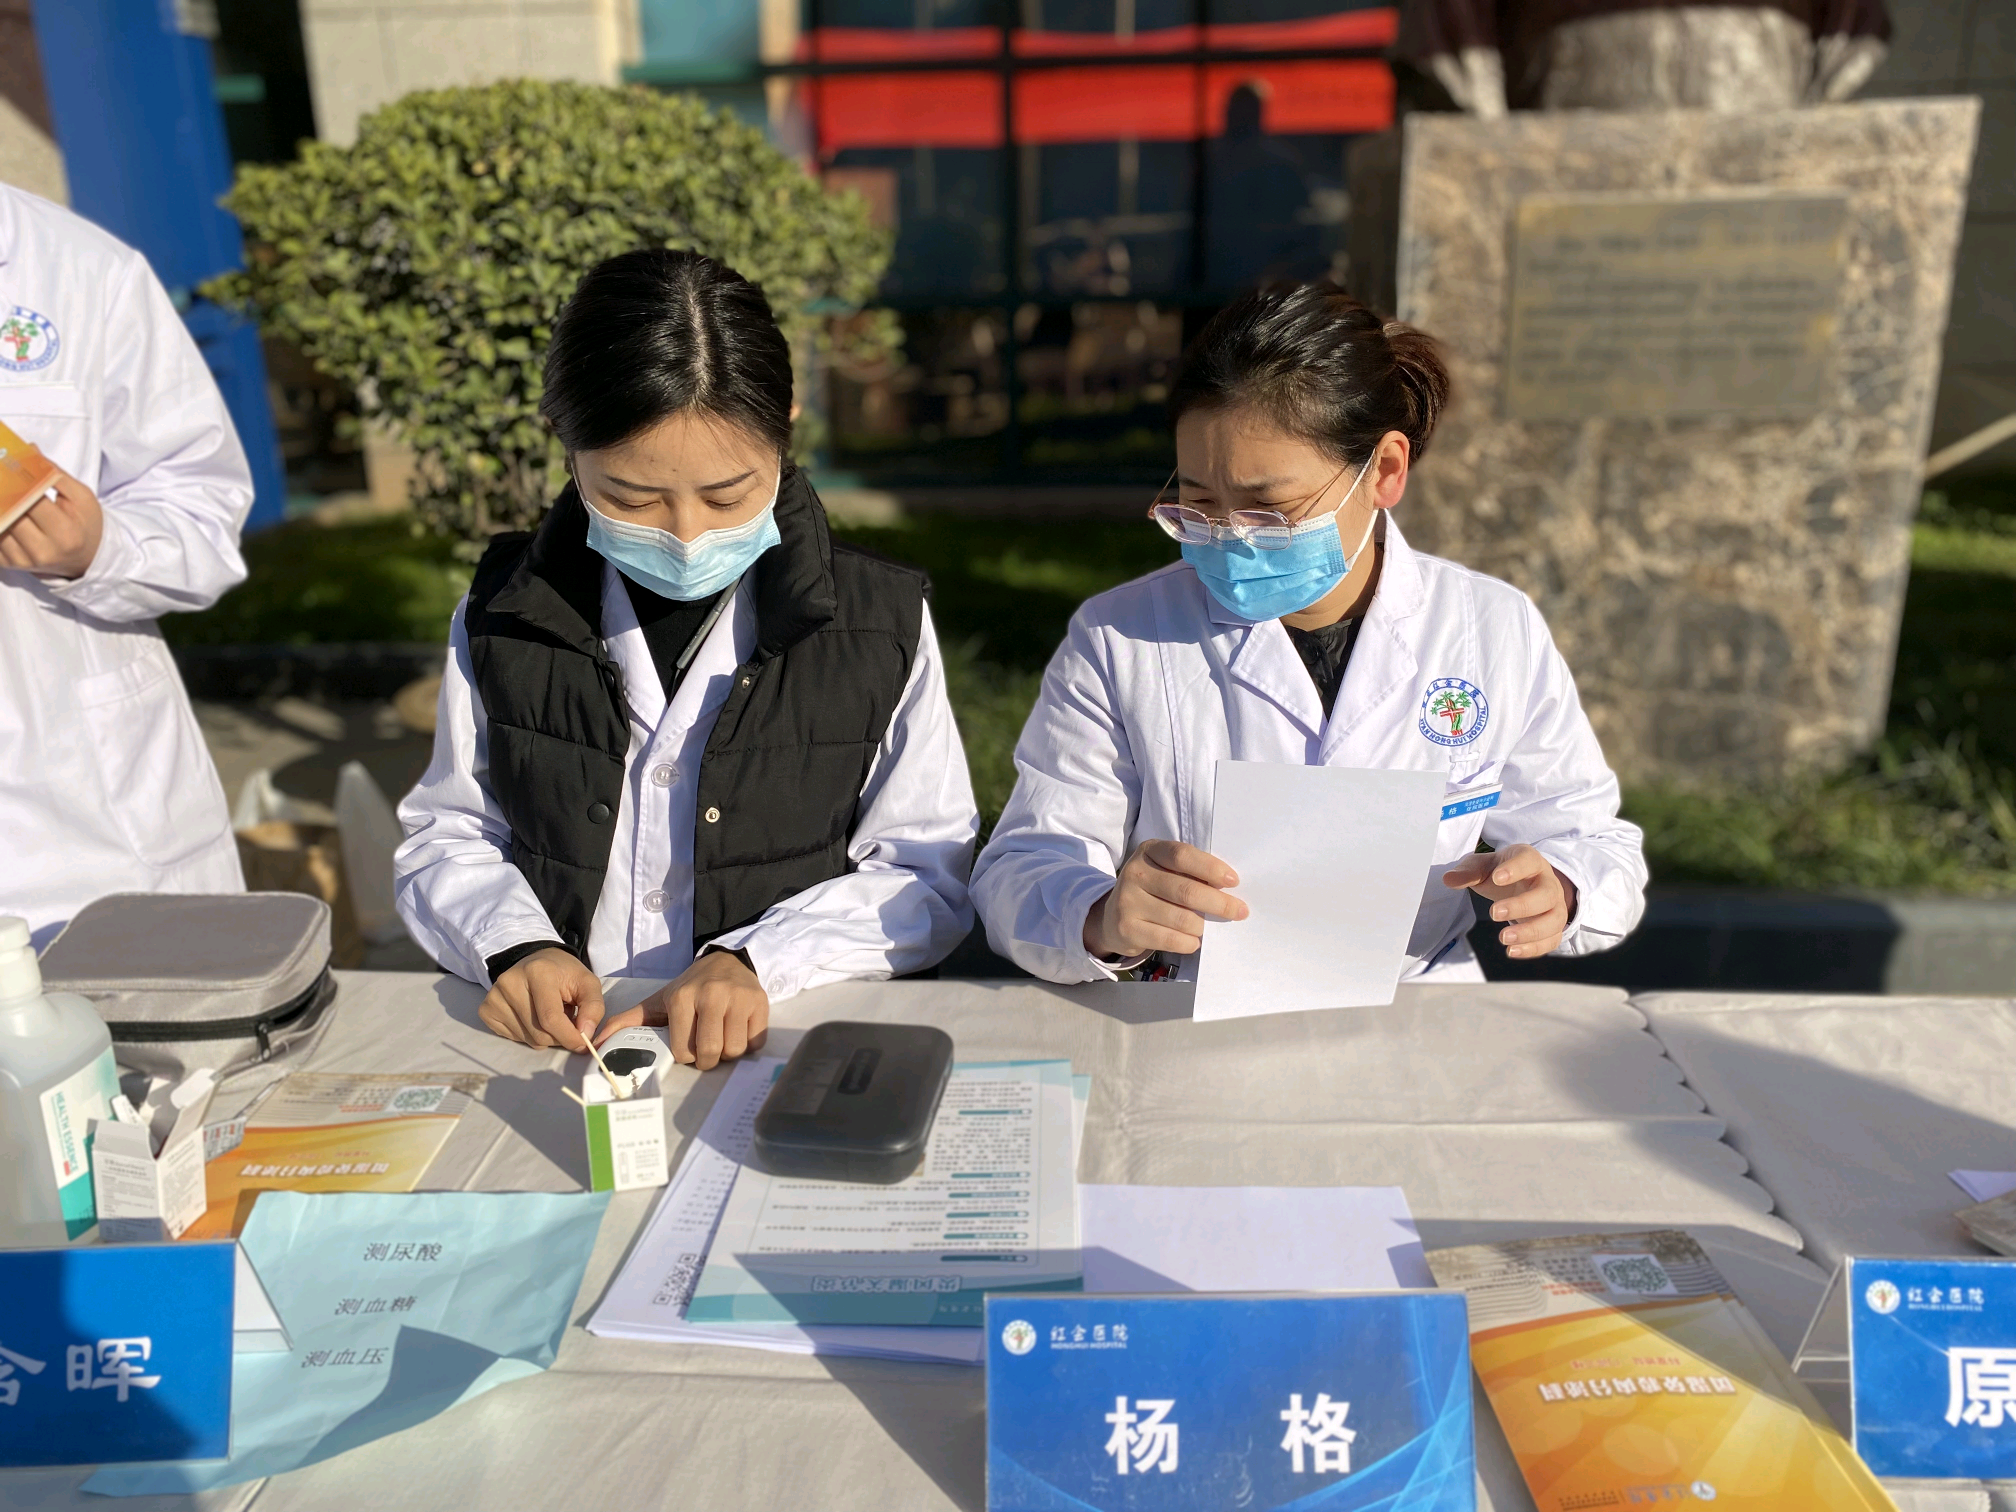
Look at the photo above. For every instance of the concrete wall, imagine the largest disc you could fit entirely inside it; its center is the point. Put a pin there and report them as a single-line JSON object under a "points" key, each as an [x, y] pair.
{"points": [[29, 157], [1952, 47], [367, 53]]}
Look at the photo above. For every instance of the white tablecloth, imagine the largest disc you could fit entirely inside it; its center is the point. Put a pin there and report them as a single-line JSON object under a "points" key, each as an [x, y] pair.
{"points": [[1501, 1110], [1852, 1110]]}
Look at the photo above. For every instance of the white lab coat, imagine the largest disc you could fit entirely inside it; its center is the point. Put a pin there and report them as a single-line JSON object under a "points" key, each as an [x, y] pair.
{"points": [[105, 783], [903, 907], [1156, 683]]}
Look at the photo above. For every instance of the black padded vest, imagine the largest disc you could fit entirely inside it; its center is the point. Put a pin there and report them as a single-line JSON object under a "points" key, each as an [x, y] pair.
{"points": [[836, 635]]}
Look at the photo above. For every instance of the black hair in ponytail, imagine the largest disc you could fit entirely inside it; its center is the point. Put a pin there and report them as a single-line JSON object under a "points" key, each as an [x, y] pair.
{"points": [[655, 333], [1320, 365]]}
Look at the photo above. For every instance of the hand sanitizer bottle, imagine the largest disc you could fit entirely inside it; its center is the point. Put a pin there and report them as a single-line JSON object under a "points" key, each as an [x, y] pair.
{"points": [[56, 1076]]}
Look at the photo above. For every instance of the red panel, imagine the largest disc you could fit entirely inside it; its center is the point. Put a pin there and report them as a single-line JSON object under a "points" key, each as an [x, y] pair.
{"points": [[906, 110], [1145, 103], [1151, 103], [1320, 95]]}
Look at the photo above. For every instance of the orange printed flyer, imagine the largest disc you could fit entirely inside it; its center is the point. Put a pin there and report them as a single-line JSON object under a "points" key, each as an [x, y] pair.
{"points": [[1625, 1372], [26, 476], [336, 1132]]}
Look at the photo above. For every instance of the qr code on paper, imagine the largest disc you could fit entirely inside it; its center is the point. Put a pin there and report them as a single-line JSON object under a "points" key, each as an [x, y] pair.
{"points": [[417, 1099], [1635, 1276], [676, 1290]]}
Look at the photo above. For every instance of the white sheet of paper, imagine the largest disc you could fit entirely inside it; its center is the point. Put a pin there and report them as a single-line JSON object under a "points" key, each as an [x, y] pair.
{"points": [[1984, 1186], [1249, 1239], [1331, 860], [255, 1324]]}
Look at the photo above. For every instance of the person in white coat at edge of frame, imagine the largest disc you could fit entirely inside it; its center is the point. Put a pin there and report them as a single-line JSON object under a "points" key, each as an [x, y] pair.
{"points": [[1301, 628], [682, 732], [105, 782]]}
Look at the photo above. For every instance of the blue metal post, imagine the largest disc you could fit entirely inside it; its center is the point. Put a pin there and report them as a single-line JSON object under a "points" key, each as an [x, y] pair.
{"points": [[143, 144]]}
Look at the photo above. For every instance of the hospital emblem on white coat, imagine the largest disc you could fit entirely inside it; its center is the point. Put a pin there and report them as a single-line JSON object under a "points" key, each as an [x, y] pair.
{"points": [[1454, 712], [27, 341]]}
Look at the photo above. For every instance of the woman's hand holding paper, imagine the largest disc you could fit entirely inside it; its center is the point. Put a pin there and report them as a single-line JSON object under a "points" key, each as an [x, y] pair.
{"points": [[715, 1010], [1160, 900], [1525, 889], [548, 1000], [59, 537]]}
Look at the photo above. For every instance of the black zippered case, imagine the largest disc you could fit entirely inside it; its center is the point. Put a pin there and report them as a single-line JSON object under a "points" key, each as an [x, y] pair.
{"points": [[855, 1102], [228, 981]]}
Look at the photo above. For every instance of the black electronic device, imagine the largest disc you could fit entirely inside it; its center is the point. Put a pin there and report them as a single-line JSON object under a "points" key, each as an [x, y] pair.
{"points": [[855, 1102]]}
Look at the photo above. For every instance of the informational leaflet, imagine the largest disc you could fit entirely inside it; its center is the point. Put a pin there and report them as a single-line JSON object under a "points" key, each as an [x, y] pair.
{"points": [[993, 1208], [336, 1131], [649, 1297], [1623, 1369], [398, 1306]]}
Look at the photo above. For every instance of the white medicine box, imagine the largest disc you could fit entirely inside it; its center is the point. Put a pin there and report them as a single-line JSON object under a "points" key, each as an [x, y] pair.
{"points": [[147, 1167], [625, 1123]]}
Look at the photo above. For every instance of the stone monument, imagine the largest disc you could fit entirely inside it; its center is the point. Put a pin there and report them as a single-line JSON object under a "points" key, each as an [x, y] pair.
{"points": [[1695, 355]]}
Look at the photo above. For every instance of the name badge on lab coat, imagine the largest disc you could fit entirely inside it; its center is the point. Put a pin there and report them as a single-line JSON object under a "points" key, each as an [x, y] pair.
{"points": [[1472, 803]]}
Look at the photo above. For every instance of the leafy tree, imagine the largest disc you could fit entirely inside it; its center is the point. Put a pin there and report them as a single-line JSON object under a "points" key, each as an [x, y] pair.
{"points": [[424, 265]]}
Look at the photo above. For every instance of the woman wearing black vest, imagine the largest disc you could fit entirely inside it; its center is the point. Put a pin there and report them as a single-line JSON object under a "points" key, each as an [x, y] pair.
{"points": [[682, 732]]}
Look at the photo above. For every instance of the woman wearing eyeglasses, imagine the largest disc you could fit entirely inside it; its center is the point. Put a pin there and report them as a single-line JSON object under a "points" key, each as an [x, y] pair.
{"points": [[1300, 627]]}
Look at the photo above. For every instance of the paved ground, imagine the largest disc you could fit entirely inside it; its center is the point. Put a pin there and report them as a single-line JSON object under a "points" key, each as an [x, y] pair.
{"points": [[304, 743]]}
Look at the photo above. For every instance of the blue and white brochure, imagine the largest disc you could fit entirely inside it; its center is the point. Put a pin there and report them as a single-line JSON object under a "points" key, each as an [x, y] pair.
{"points": [[1344, 1403], [115, 1353], [1932, 1364], [993, 1208]]}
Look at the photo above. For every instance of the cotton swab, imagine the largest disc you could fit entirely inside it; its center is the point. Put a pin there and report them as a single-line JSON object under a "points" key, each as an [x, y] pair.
{"points": [[575, 1095], [616, 1088]]}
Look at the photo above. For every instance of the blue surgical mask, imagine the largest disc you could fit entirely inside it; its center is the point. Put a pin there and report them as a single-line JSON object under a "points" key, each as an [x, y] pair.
{"points": [[1262, 585], [683, 570]]}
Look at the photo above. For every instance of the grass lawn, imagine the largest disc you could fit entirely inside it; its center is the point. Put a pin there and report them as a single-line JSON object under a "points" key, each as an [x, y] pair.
{"points": [[1933, 809]]}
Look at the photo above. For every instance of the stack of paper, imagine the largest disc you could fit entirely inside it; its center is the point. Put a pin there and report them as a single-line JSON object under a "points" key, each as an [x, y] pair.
{"points": [[716, 1208], [729, 1232], [993, 1208]]}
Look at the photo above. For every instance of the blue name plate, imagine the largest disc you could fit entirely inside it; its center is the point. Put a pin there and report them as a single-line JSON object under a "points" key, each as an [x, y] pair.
{"points": [[1199, 1403], [1932, 1359], [115, 1353]]}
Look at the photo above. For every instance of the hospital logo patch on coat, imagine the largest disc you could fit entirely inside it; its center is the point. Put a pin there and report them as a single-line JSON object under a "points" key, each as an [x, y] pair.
{"points": [[27, 341], [1454, 712]]}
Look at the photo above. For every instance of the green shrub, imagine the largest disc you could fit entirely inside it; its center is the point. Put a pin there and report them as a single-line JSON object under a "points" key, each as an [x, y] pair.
{"points": [[991, 703], [424, 265]]}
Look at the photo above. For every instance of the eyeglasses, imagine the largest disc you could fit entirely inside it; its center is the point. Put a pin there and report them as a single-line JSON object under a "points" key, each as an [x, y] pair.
{"points": [[1266, 529]]}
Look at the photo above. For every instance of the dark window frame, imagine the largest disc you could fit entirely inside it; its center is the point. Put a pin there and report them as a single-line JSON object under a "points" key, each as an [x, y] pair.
{"points": [[1008, 63]]}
